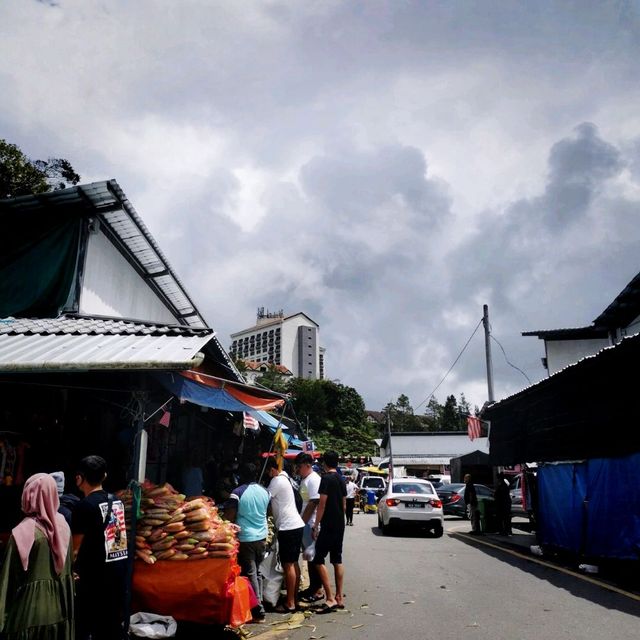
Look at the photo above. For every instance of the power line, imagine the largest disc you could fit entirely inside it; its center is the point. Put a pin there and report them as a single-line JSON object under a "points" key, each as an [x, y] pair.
{"points": [[507, 360], [451, 367]]}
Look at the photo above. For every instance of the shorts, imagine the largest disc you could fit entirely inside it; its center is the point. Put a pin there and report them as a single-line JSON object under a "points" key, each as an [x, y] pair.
{"points": [[289, 543], [329, 541]]}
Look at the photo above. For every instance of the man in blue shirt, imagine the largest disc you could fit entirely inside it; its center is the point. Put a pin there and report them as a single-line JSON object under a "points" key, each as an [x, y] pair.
{"points": [[247, 507]]}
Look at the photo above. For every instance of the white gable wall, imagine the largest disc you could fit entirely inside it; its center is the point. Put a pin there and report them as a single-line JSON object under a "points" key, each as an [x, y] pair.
{"points": [[562, 353], [449, 445], [112, 287]]}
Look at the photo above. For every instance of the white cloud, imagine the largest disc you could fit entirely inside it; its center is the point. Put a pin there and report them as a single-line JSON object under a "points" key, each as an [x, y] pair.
{"points": [[386, 167]]}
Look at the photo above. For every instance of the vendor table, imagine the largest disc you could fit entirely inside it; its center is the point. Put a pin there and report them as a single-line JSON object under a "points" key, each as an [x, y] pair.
{"points": [[200, 591]]}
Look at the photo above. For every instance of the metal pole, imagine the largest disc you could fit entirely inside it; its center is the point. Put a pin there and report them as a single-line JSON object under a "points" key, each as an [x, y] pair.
{"points": [[390, 449], [487, 348]]}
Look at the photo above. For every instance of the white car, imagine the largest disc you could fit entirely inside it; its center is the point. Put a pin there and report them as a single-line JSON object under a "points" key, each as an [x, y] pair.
{"points": [[410, 501]]}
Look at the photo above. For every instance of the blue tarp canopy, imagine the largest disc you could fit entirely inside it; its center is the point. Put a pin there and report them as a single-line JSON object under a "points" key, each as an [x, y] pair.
{"points": [[215, 398]]}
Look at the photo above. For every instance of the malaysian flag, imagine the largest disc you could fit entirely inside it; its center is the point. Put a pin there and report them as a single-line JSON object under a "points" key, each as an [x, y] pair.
{"points": [[474, 427], [249, 422]]}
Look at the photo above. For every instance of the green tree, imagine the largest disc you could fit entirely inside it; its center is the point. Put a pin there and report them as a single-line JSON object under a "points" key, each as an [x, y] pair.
{"points": [[402, 416], [433, 415], [450, 417], [21, 176], [273, 379], [336, 416]]}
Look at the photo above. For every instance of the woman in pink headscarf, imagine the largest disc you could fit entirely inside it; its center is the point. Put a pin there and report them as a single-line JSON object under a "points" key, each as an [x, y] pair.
{"points": [[36, 581]]}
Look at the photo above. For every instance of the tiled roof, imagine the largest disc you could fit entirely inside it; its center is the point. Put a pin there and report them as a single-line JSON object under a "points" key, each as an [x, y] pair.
{"points": [[81, 344], [82, 325]]}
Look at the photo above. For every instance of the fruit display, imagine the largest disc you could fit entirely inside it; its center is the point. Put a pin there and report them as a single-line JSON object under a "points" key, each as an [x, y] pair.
{"points": [[172, 527]]}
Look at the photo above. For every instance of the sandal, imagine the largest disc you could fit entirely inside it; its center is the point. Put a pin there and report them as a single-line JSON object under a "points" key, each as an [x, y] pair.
{"points": [[325, 608], [282, 608], [310, 598]]}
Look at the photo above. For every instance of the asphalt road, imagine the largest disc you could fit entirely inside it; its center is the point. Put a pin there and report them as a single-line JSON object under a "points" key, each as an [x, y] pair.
{"points": [[412, 587]]}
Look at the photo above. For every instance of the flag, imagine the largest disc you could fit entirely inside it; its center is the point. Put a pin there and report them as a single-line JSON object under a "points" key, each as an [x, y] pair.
{"points": [[281, 445], [165, 419], [249, 422], [474, 427]]}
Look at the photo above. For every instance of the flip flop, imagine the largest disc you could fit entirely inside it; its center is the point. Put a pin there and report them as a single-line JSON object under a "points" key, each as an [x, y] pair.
{"points": [[281, 608], [327, 609], [311, 598]]}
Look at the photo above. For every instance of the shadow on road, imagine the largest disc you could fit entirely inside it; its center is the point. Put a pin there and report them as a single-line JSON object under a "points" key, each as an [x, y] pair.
{"points": [[579, 587]]}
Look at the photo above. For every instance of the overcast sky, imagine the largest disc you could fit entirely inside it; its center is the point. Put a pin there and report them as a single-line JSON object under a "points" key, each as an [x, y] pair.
{"points": [[385, 167]]}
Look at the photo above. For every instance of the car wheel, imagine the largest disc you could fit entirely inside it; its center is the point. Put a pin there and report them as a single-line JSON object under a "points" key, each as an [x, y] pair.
{"points": [[382, 526], [437, 531]]}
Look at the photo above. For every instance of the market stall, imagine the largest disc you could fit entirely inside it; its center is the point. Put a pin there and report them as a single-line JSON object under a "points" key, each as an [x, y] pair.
{"points": [[185, 557]]}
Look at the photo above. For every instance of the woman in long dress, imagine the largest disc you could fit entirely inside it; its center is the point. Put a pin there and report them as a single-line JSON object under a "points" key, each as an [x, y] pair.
{"points": [[36, 580]]}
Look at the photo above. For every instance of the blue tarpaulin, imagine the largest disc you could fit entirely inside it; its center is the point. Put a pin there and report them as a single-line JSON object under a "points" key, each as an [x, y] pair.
{"points": [[591, 507], [215, 398]]}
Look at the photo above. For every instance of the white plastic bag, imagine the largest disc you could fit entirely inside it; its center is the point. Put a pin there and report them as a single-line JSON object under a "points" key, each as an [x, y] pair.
{"points": [[151, 625], [309, 552], [271, 571]]}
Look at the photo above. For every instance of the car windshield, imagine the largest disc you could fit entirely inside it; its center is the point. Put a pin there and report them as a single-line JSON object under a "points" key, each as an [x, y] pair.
{"points": [[373, 483], [412, 487]]}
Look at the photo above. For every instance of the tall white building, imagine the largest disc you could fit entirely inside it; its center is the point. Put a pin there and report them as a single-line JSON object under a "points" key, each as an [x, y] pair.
{"points": [[291, 341]]}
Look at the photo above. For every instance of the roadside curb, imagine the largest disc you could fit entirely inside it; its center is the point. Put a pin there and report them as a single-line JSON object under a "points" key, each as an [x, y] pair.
{"points": [[522, 553]]}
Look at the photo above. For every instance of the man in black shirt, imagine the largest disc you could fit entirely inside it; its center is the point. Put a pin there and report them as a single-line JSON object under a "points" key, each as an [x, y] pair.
{"points": [[100, 551], [328, 530]]}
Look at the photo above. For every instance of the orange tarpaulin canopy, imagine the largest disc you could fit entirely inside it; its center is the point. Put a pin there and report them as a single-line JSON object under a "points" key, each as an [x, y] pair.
{"points": [[253, 398]]}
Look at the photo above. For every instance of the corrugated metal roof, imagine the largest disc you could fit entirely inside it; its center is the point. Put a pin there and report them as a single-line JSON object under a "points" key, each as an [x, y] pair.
{"points": [[79, 344], [576, 333]]}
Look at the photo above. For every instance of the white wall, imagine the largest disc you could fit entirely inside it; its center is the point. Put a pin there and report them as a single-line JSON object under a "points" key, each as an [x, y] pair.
{"points": [[562, 353], [111, 286], [435, 445]]}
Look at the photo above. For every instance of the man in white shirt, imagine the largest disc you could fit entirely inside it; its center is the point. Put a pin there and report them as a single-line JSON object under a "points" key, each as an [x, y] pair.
{"points": [[352, 490], [290, 527], [309, 490]]}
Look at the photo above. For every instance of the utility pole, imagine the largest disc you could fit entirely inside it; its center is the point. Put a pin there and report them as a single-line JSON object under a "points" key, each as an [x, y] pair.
{"points": [[390, 477], [487, 348]]}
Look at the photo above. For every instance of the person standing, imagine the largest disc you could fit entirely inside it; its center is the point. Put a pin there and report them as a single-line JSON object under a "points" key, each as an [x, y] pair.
{"points": [[68, 501], [503, 505], [290, 527], [471, 501], [309, 490], [247, 507], [328, 531], [100, 547], [352, 490], [36, 583]]}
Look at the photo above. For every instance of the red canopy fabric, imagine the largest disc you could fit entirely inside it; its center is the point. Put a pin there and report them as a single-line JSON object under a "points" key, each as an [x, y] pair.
{"points": [[249, 397]]}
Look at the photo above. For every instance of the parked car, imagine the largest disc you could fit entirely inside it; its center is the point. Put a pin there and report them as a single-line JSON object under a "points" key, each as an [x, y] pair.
{"points": [[515, 492], [411, 501], [452, 496], [376, 484]]}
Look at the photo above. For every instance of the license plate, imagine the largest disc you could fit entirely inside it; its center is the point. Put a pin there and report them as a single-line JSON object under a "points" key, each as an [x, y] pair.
{"points": [[414, 505]]}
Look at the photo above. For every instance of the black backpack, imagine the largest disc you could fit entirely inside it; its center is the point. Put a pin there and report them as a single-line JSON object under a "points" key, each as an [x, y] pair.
{"points": [[296, 495]]}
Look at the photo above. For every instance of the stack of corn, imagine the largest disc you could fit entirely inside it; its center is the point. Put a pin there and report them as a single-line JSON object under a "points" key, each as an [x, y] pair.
{"points": [[174, 528]]}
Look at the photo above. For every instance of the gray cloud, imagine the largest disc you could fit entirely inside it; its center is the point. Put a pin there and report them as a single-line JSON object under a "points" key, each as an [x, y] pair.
{"points": [[385, 167]]}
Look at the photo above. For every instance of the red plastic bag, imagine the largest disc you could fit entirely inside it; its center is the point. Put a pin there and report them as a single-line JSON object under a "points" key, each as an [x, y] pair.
{"points": [[239, 595]]}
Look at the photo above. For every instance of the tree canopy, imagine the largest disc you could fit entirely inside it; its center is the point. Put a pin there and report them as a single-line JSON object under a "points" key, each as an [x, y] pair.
{"points": [[20, 175]]}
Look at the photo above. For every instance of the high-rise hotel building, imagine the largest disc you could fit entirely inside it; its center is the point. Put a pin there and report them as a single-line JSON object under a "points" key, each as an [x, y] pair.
{"points": [[291, 341]]}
